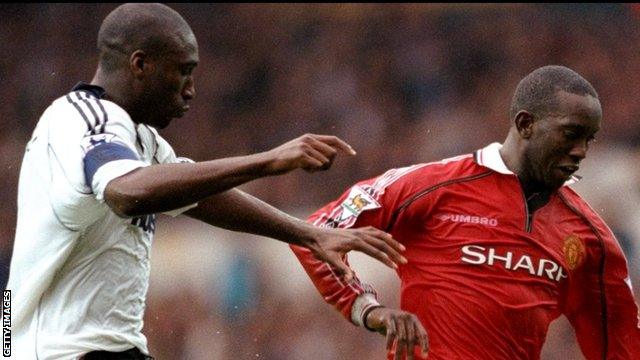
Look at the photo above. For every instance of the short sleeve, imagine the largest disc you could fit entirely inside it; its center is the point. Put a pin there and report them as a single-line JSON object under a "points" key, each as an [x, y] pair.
{"points": [[166, 155], [368, 203], [109, 148], [77, 128]]}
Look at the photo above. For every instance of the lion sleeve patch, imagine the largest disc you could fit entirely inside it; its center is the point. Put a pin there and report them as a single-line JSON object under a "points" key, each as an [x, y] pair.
{"points": [[357, 202]]}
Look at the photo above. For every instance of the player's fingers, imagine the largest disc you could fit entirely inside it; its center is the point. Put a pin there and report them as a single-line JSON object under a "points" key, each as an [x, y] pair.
{"points": [[326, 149], [399, 352], [392, 253], [370, 250], [391, 333], [315, 157], [423, 338], [340, 267], [380, 244], [411, 340], [386, 237], [401, 345], [337, 143], [310, 163]]}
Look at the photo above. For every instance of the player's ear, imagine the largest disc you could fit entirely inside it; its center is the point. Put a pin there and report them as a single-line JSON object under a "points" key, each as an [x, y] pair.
{"points": [[139, 64], [524, 123]]}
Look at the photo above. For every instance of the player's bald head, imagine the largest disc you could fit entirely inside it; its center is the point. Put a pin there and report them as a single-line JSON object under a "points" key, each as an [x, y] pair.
{"points": [[155, 29], [537, 92]]}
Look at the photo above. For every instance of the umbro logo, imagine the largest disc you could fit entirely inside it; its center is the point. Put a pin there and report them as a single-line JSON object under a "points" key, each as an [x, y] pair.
{"points": [[471, 219]]}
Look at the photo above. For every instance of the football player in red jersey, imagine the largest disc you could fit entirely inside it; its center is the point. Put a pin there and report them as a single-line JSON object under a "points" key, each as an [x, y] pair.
{"points": [[498, 245]]}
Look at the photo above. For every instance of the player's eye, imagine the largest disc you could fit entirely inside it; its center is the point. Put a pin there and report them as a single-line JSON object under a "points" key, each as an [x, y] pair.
{"points": [[570, 135], [187, 70]]}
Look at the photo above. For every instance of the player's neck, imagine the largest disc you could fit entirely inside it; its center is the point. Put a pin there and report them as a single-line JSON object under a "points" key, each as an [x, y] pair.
{"points": [[513, 159], [114, 89], [509, 154]]}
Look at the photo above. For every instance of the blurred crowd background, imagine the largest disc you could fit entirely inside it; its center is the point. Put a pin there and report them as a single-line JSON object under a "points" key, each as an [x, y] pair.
{"points": [[402, 83]]}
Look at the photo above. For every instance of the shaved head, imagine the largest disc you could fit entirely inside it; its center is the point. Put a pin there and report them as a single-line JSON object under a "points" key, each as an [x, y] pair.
{"points": [[147, 56], [155, 29], [537, 91]]}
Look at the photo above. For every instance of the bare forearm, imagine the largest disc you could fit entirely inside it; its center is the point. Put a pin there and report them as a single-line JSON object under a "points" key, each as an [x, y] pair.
{"points": [[239, 211], [159, 188], [165, 187]]}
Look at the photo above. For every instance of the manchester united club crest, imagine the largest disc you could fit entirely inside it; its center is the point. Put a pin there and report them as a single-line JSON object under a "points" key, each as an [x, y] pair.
{"points": [[574, 251]]}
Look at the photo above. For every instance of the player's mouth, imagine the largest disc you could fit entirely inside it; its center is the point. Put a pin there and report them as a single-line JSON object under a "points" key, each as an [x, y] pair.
{"points": [[568, 170], [182, 111]]}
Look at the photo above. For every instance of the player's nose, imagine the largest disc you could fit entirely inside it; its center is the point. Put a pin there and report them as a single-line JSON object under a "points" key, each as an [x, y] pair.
{"points": [[189, 91], [579, 151]]}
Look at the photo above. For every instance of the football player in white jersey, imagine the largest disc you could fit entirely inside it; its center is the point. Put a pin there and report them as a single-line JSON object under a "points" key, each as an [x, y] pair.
{"points": [[96, 171]]}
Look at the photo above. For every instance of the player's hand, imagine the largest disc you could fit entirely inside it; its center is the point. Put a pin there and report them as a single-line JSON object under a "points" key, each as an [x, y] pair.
{"points": [[309, 152], [401, 327], [330, 245]]}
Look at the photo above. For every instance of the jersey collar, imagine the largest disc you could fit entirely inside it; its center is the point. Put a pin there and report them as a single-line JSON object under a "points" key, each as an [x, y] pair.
{"points": [[490, 157], [95, 90]]}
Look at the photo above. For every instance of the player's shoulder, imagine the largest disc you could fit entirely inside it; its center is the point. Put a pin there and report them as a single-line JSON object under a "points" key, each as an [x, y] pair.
{"points": [[453, 168], [160, 147], [154, 136], [448, 169], [87, 110], [578, 205], [411, 179], [575, 202]]}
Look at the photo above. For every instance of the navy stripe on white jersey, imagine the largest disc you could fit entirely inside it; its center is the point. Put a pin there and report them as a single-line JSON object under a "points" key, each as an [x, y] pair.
{"points": [[84, 117], [105, 118], [104, 113], [90, 108]]}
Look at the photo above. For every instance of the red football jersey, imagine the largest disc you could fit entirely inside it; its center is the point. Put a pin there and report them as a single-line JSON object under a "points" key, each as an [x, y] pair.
{"points": [[485, 276]]}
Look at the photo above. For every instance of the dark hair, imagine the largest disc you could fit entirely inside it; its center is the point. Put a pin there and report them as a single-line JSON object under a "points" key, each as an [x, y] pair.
{"points": [[537, 91], [149, 27]]}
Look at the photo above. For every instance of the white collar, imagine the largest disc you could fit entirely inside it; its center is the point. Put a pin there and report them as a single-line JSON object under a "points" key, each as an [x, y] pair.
{"points": [[490, 157]]}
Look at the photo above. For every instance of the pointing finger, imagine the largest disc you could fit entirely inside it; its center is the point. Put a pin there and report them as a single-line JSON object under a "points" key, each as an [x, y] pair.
{"points": [[336, 142], [326, 149]]}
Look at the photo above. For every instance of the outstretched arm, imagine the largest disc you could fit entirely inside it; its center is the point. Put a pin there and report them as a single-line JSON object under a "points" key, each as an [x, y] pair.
{"points": [[368, 204], [239, 211], [357, 302], [164, 187]]}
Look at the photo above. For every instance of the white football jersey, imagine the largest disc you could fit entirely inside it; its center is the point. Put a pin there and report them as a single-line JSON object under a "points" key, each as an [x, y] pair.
{"points": [[79, 273]]}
